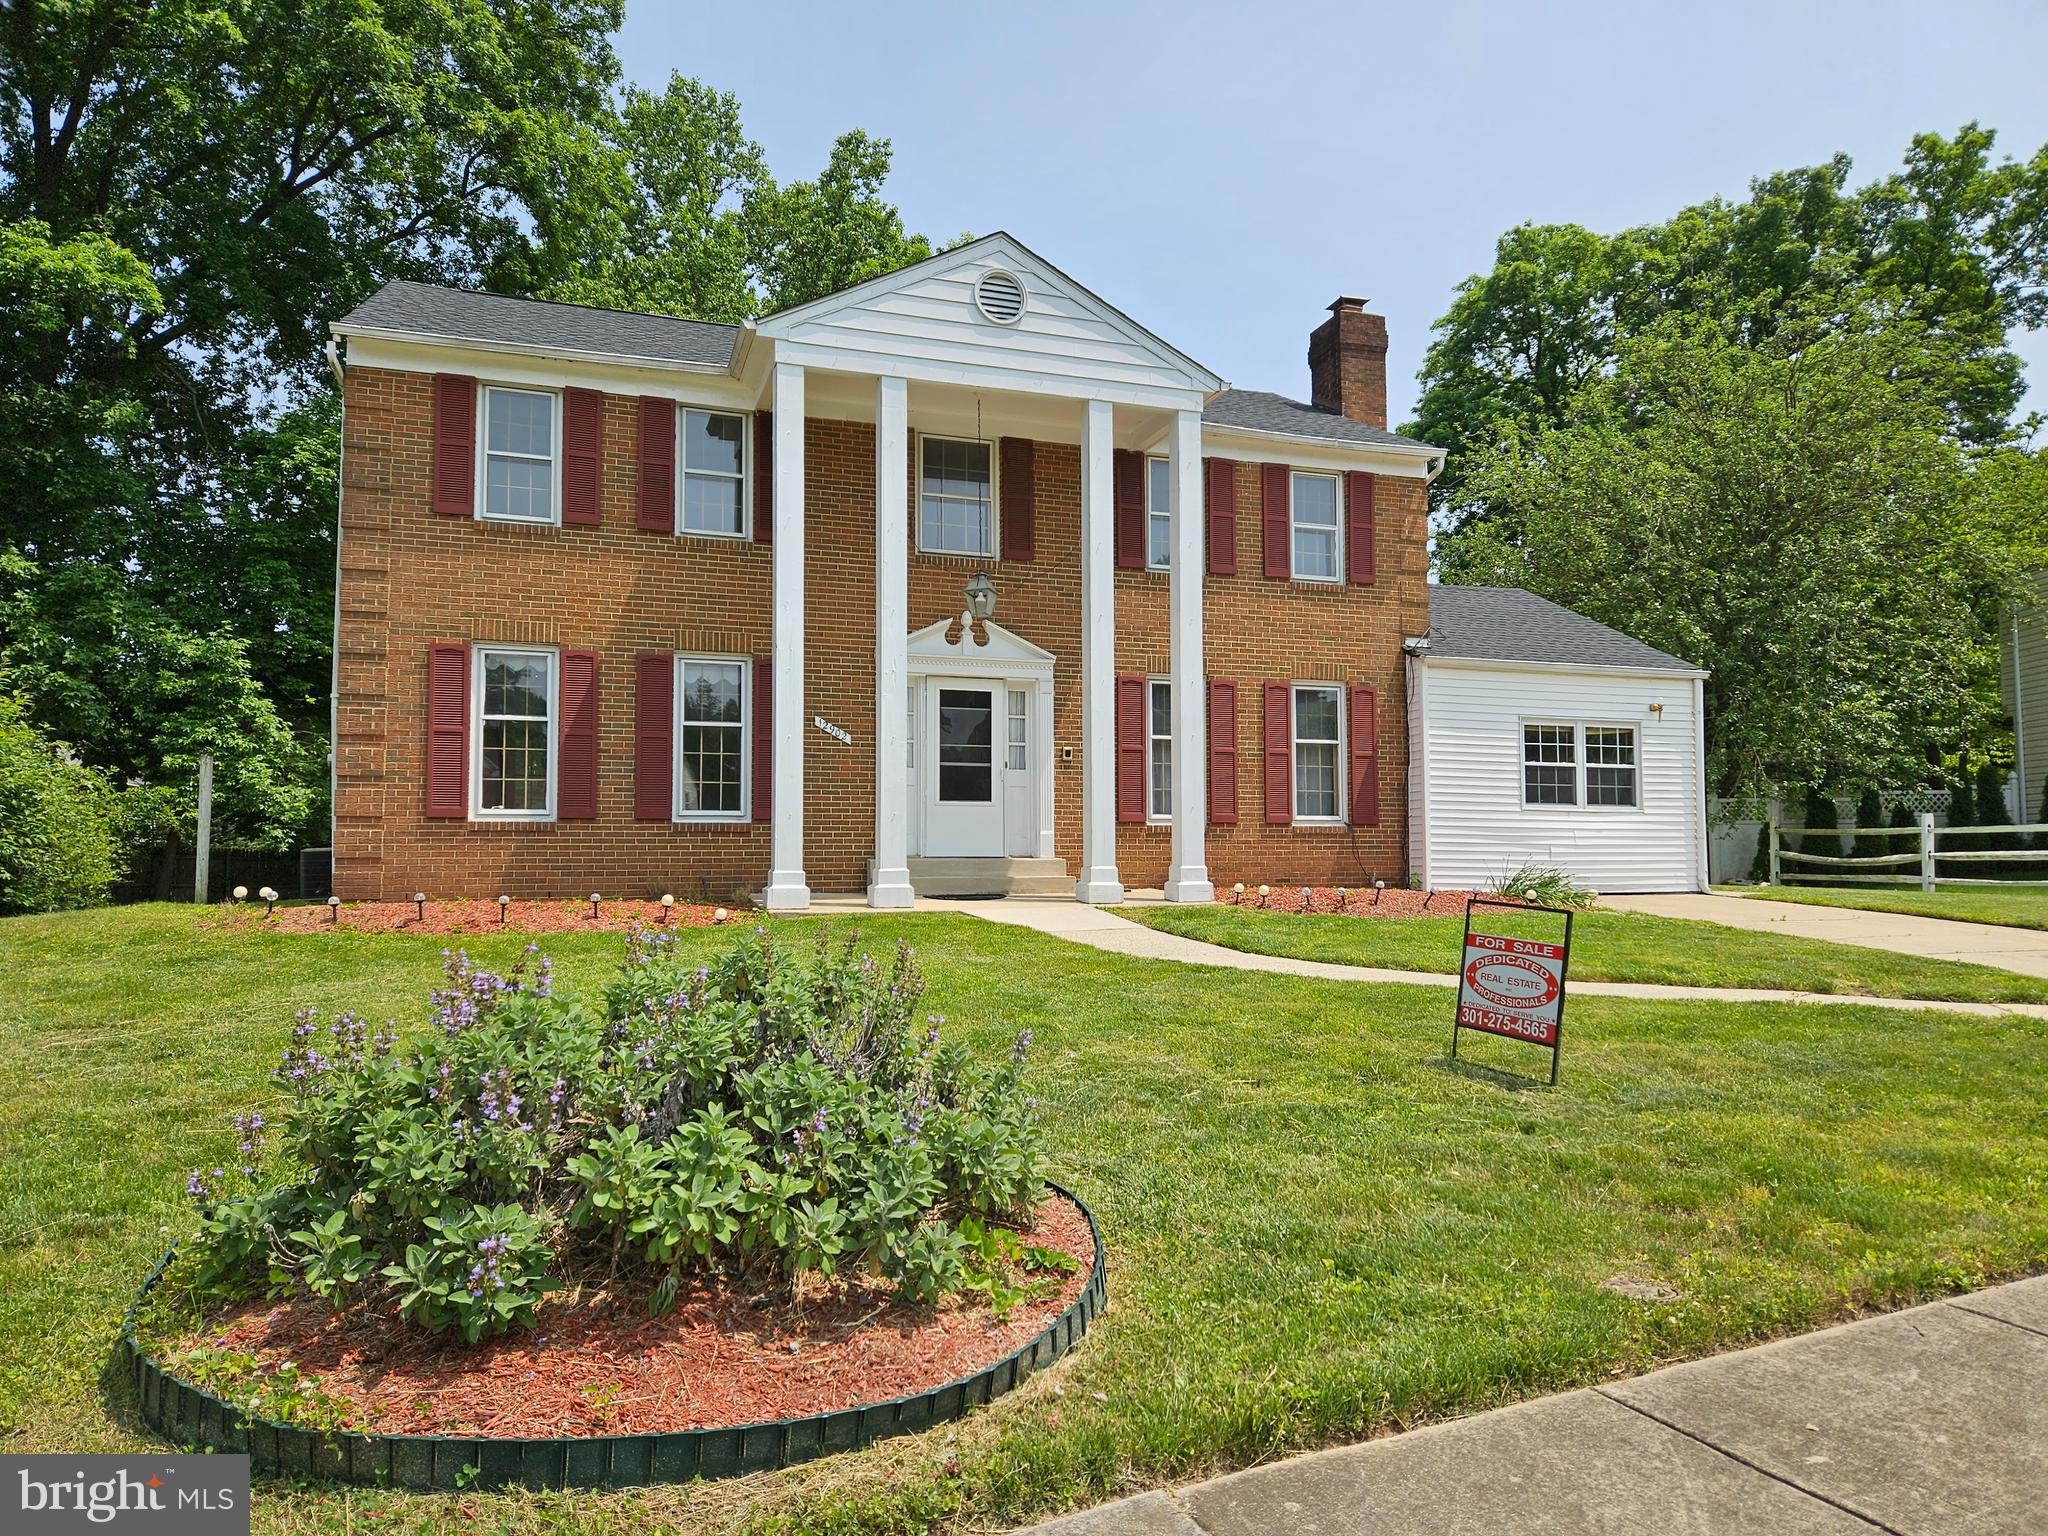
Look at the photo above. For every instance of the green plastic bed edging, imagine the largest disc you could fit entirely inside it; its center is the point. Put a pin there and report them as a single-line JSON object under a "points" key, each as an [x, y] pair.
{"points": [[188, 1414]]}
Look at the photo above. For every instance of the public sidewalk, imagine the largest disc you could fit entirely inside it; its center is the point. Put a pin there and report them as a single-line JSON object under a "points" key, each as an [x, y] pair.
{"points": [[1932, 938], [1930, 1422], [1101, 928]]}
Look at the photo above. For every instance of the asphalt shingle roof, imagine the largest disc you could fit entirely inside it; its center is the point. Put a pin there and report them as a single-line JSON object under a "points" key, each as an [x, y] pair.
{"points": [[1508, 624], [1257, 411], [461, 315]]}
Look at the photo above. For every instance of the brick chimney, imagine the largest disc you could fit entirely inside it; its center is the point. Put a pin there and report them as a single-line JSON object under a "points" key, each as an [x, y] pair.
{"points": [[1347, 363]]}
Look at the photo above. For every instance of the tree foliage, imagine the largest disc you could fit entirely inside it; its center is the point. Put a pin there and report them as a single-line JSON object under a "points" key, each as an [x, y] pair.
{"points": [[189, 191], [57, 843]]}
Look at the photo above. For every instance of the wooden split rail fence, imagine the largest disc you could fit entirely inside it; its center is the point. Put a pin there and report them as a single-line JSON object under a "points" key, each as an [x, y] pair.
{"points": [[1921, 861]]}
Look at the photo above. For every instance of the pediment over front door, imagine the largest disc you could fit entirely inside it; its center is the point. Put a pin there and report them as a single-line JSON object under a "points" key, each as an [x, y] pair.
{"points": [[982, 650]]}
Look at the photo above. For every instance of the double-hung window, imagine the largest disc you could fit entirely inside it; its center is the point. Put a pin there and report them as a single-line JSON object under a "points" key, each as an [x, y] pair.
{"points": [[1316, 527], [515, 768], [520, 441], [1158, 514], [1571, 765], [1318, 752], [714, 473], [712, 733], [956, 500], [1159, 749]]}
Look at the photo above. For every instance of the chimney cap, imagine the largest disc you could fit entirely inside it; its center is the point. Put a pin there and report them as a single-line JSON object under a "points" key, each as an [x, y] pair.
{"points": [[1344, 302]]}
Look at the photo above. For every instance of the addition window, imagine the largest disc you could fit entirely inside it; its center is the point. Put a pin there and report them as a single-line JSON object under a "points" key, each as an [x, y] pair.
{"points": [[956, 504], [1159, 749], [714, 473], [712, 733], [519, 455], [1317, 537], [515, 768], [1550, 765], [1610, 765], [1318, 752], [1158, 514]]}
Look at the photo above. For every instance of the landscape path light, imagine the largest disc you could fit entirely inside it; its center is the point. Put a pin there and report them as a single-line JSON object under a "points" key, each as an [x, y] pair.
{"points": [[269, 900], [1237, 890], [667, 901], [593, 903], [1265, 894], [240, 893], [720, 915], [1377, 887], [334, 910], [419, 901], [504, 902]]}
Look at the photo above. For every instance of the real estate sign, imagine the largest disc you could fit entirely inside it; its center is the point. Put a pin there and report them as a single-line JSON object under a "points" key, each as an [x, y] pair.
{"points": [[1513, 986]]}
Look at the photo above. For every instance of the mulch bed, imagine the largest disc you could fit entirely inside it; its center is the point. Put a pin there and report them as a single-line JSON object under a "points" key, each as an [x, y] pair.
{"points": [[481, 916], [597, 1364], [1391, 902]]}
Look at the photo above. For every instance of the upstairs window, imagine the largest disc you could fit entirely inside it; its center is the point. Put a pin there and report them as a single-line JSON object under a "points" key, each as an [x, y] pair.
{"points": [[520, 441], [956, 502], [1158, 515], [711, 739], [515, 694], [714, 474], [1317, 537], [1318, 752]]}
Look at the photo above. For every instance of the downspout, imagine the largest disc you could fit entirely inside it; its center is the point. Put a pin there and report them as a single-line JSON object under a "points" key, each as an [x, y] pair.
{"points": [[2019, 720], [334, 658], [1699, 750]]}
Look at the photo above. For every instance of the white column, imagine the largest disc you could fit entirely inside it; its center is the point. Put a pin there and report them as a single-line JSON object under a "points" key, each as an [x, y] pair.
{"points": [[786, 890], [1187, 876], [889, 883], [1098, 882]]}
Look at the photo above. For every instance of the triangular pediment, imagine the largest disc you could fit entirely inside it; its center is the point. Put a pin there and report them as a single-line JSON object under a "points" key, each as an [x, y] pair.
{"points": [[986, 643], [942, 312]]}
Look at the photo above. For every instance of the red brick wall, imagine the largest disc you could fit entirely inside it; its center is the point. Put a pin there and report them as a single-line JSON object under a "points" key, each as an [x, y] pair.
{"points": [[410, 578]]}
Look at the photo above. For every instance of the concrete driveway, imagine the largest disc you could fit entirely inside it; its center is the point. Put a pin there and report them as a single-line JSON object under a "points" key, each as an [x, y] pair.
{"points": [[1933, 938]]}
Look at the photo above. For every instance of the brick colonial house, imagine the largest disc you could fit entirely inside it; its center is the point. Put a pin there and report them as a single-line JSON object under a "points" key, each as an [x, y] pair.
{"points": [[957, 580]]}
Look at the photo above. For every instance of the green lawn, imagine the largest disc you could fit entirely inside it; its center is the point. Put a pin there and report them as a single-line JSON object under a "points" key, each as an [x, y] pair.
{"points": [[1317, 1228], [2009, 906], [1606, 946]]}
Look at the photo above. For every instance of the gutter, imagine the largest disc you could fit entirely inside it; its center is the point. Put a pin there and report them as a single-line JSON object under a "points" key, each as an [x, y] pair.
{"points": [[521, 349], [1490, 663]]}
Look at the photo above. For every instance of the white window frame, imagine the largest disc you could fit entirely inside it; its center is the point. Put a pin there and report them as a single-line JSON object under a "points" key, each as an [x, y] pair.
{"points": [[1152, 740], [1336, 578], [745, 477], [478, 653], [995, 498], [483, 456], [1158, 514], [1294, 754], [676, 723], [1578, 728]]}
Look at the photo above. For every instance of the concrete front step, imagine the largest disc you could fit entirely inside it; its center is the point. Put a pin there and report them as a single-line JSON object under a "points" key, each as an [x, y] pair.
{"points": [[990, 877]]}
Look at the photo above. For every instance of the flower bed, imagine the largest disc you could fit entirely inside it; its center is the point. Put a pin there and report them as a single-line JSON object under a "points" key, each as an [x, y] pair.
{"points": [[1390, 902], [483, 916], [728, 1193]]}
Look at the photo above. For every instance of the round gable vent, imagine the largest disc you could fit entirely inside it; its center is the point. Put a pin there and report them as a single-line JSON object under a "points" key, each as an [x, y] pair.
{"points": [[999, 296]]}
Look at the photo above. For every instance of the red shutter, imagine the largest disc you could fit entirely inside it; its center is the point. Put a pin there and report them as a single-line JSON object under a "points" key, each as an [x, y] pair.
{"points": [[1020, 500], [1359, 527], [576, 762], [1222, 753], [448, 730], [654, 716], [764, 737], [1130, 749], [1273, 488], [454, 478], [1365, 756], [657, 465], [1220, 490], [1128, 478], [1279, 754], [764, 477], [582, 455]]}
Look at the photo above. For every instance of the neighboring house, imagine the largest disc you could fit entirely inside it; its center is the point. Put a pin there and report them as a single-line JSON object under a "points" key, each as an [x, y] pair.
{"points": [[1542, 737], [636, 604], [2023, 678]]}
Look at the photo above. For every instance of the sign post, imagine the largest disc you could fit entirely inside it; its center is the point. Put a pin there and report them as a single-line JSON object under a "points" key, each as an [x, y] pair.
{"points": [[1513, 987]]}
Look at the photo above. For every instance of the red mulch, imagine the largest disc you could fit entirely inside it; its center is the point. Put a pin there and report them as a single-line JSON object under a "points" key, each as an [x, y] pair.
{"points": [[597, 1364], [1391, 902], [462, 916]]}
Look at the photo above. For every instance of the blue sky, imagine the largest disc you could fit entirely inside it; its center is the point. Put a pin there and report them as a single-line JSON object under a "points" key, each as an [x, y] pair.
{"points": [[1221, 172]]}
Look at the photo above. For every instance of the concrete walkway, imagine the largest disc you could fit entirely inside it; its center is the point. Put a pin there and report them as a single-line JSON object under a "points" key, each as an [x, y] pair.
{"points": [[1930, 1422], [1101, 928], [1932, 938]]}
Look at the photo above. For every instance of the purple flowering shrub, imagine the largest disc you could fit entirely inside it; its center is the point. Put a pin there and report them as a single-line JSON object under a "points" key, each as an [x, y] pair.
{"points": [[757, 1115]]}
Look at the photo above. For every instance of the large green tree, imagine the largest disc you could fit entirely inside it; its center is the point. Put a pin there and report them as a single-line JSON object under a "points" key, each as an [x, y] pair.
{"points": [[1795, 515], [189, 191]]}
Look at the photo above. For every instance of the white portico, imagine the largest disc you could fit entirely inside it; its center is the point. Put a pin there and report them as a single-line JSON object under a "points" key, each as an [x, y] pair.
{"points": [[964, 711]]}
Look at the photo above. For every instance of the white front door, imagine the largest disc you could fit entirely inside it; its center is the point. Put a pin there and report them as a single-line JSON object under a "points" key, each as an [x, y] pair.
{"points": [[961, 763]]}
